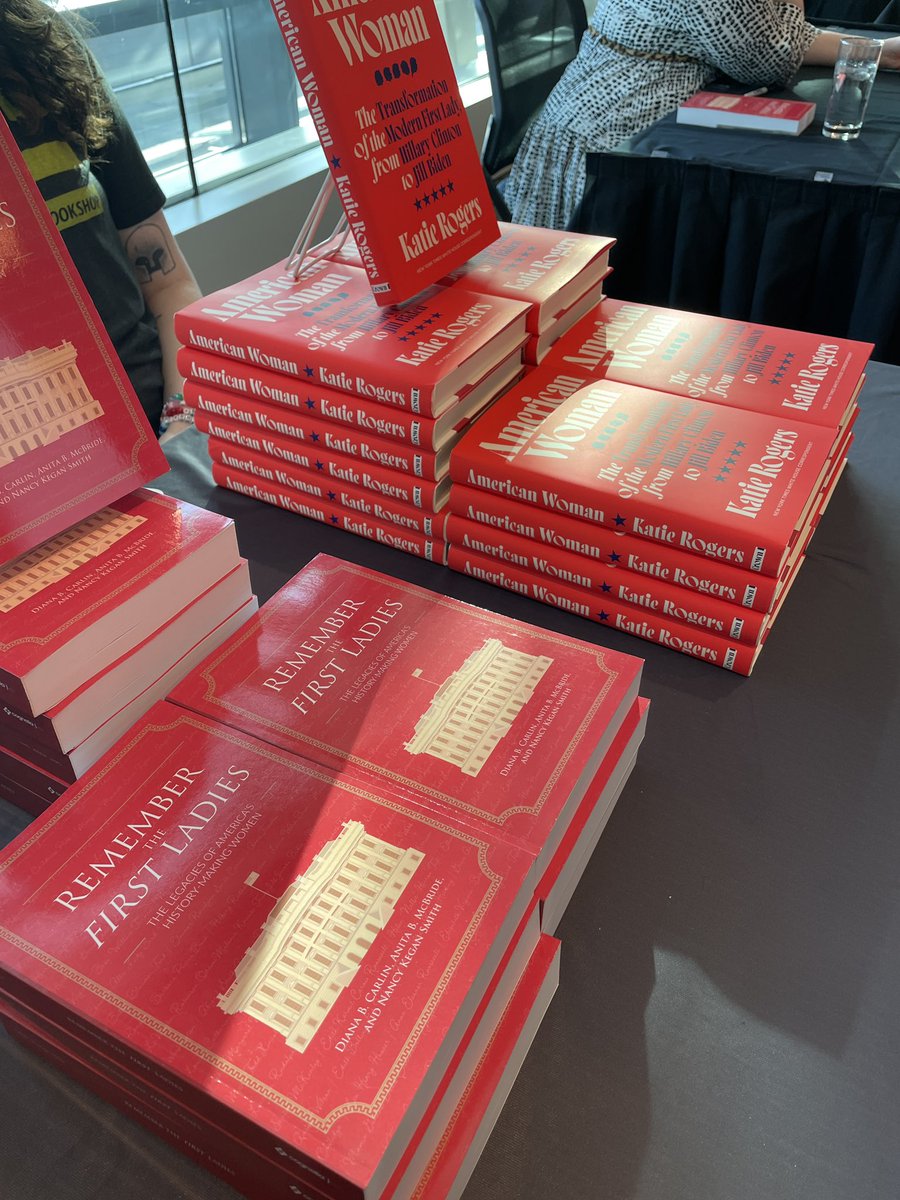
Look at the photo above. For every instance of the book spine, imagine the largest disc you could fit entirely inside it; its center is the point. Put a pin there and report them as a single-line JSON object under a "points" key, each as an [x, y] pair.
{"points": [[328, 471], [483, 512], [732, 656], [326, 404], [259, 427], [14, 692], [368, 503], [337, 517], [614, 585], [43, 753]]}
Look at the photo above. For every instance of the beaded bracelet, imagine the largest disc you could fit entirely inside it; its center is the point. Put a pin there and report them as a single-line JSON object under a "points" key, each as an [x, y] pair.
{"points": [[175, 409]]}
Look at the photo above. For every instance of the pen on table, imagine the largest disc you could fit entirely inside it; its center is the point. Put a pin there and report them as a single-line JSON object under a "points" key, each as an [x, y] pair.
{"points": [[757, 92]]}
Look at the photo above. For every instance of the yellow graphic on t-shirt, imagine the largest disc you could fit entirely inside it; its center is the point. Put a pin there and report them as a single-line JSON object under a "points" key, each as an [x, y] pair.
{"points": [[71, 208], [50, 158]]}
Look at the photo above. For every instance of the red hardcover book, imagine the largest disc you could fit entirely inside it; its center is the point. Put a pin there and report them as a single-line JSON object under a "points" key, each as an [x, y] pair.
{"points": [[718, 481], [614, 586], [366, 501], [294, 954], [784, 372], [539, 345], [727, 110], [673, 631], [73, 435], [484, 523], [388, 468], [382, 93], [281, 433], [83, 598], [79, 714], [491, 718], [548, 269], [325, 328], [388, 532], [342, 408]]}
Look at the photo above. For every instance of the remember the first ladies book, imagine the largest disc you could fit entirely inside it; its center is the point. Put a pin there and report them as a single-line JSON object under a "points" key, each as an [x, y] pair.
{"points": [[292, 953], [73, 435], [489, 719]]}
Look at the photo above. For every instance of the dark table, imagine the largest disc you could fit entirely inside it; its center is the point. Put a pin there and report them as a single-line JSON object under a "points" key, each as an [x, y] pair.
{"points": [[800, 232], [726, 1026]]}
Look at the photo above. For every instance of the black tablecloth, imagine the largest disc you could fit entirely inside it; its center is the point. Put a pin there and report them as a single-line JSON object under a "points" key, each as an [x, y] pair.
{"points": [[726, 1024], [794, 231]]}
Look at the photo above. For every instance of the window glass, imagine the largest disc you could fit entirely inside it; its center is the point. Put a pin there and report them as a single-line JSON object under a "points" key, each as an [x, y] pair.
{"points": [[209, 88]]}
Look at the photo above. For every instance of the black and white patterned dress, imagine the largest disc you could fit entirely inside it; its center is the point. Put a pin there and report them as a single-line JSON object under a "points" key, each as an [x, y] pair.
{"points": [[608, 94]]}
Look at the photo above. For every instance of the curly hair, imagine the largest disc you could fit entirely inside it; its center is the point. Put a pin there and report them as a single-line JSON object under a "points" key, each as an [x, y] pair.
{"points": [[48, 72]]}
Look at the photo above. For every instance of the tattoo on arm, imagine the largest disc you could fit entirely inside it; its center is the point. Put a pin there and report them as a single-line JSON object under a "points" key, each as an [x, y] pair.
{"points": [[149, 252]]}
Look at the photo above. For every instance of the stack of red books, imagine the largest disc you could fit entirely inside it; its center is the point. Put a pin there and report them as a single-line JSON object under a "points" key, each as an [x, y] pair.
{"points": [[100, 622], [108, 593], [560, 275], [307, 944], [675, 498], [318, 400]]}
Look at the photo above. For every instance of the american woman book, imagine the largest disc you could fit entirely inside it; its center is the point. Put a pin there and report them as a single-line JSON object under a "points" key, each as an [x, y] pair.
{"points": [[341, 408], [384, 101], [73, 435], [487, 524], [548, 269], [414, 509], [727, 110], [352, 518], [293, 954], [674, 634], [714, 480], [76, 603], [326, 329], [761, 368], [495, 721]]}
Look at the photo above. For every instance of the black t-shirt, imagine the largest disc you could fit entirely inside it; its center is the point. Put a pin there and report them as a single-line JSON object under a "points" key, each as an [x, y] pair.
{"points": [[90, 203]]}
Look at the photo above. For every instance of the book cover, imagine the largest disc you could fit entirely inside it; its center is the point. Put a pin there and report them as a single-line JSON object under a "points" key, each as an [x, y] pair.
{"points": [[547, 269], [327, 329], [415, 508], [73, 435], [489, 717], [482, 522], [697, 643], [83, 598], [717, 481], [289, 436], [783, 372], [383, 529], [296, 954], [727, 110], [384, 101], [342, 408]]}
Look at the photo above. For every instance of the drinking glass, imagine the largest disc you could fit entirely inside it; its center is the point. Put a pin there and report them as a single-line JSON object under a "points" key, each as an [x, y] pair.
{"points": [[854, 74]]}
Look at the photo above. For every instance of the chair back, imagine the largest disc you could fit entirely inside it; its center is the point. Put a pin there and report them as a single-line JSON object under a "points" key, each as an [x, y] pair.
{"points": [[529, 44]]}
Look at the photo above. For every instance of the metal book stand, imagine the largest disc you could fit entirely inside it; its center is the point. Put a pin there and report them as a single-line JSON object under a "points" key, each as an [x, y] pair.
{"points": [[301, 256]]}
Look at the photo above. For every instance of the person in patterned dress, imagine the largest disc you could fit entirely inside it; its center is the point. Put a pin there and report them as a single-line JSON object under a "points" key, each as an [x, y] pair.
{"points": [[637, 61]]}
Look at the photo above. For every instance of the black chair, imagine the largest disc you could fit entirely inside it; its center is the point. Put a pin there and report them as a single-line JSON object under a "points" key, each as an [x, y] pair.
{"points": [[529, 44]]}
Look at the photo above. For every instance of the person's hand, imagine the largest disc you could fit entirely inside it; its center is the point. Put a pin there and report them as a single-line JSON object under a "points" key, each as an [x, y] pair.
{"points": [[890, 55]]}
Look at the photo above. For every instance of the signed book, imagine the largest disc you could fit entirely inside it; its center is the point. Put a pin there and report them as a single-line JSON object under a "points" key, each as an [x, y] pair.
{"points": [[383, 98], [73, 435]]}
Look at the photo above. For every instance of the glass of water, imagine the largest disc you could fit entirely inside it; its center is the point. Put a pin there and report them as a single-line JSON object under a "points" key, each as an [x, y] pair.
{"points": [[854, 74]]}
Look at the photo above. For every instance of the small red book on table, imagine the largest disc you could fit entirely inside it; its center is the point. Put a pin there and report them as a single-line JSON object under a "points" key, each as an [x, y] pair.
{"points": [[727, 110]]}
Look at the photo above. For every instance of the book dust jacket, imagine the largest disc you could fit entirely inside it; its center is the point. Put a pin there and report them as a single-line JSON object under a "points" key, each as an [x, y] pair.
{"points": [[73, 435], [293, 954], [496, 721]]}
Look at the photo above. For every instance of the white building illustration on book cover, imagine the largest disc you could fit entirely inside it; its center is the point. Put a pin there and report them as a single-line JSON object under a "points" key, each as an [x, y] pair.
{"points": [[317, 935], [476, 705], [58, 557], [42, 396]]}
